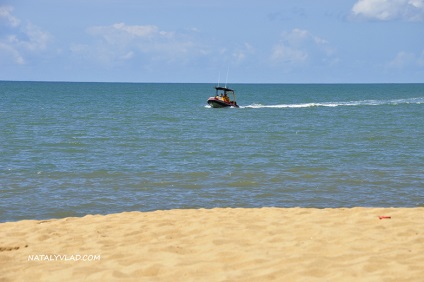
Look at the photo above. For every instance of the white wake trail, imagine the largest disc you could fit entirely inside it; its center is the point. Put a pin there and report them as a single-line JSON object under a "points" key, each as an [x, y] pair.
{"points": [[419, 100]]}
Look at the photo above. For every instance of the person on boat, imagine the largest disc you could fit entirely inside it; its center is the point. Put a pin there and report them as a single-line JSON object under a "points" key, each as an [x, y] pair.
{"points": [[226, 98]]}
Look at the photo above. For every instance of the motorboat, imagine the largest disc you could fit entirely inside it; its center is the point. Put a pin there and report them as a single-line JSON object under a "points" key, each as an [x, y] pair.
{"points": [[221, 98]]}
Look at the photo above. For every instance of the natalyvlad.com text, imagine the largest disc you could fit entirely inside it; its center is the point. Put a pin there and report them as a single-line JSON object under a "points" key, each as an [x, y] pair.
{"points": [[64, 258]]}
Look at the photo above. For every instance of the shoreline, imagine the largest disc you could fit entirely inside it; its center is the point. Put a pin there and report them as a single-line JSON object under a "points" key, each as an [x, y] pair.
{"points": [[220, 244]]}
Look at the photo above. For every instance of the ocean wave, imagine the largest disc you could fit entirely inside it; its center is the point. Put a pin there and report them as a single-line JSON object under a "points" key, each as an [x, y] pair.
{"points": [[419, 100]]}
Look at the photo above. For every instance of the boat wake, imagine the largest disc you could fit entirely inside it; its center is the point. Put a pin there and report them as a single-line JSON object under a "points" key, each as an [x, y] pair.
{"points": [[419, 100]]}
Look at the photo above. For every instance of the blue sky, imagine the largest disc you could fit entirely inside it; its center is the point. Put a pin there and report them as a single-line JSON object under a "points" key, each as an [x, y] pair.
{"points": [[269, 41]]}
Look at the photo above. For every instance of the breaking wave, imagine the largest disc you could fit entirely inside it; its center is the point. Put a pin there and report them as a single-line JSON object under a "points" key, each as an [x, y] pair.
{"points": [[419, 100]]}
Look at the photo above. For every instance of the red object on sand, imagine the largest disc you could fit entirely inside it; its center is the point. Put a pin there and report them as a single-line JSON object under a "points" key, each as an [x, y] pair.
{"points": [[384, 217]]}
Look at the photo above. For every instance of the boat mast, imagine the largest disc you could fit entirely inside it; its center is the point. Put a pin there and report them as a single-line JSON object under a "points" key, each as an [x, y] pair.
{"points": [[226, 79]]}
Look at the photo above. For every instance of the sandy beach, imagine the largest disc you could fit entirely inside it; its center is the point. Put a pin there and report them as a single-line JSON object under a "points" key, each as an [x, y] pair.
{"points": [[266, 244]]}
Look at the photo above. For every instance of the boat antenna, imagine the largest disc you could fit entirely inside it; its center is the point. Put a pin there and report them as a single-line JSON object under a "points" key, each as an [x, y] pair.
{"points": [[226, 79], [219, 77]]}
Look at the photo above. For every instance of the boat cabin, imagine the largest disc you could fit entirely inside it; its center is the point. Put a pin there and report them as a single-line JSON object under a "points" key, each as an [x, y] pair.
{"points": [[222, 98]]}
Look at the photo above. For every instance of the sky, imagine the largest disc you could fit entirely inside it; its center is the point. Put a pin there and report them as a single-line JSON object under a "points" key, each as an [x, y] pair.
{"points": [[268, 41]]}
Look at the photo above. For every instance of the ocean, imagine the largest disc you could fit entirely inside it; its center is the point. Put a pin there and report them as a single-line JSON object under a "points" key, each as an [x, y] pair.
{"points": [[71, 149]]}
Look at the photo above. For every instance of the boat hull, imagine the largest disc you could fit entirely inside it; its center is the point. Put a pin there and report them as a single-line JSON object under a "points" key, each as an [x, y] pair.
{"points": [[217, 103]]}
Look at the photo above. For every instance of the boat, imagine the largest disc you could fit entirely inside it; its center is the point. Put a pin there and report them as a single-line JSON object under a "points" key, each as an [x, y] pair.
{"points": [[221, 98]]}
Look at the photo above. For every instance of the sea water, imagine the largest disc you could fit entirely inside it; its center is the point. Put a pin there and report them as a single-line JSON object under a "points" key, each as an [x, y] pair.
{"points": [[71, 149]]}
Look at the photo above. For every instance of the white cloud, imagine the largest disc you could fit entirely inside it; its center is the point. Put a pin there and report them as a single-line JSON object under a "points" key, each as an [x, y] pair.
{"points": [[407, 59], [386, 10], [299, 47], [420, 61], [121, 42], [287, 54], [6, 15], [240, 54], [36, 39], [20, 40], [120, 33], [8, 51], [149, 45]]}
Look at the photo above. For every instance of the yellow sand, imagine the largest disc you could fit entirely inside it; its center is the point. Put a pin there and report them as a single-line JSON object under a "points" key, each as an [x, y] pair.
{"points": [[266, 244]]}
